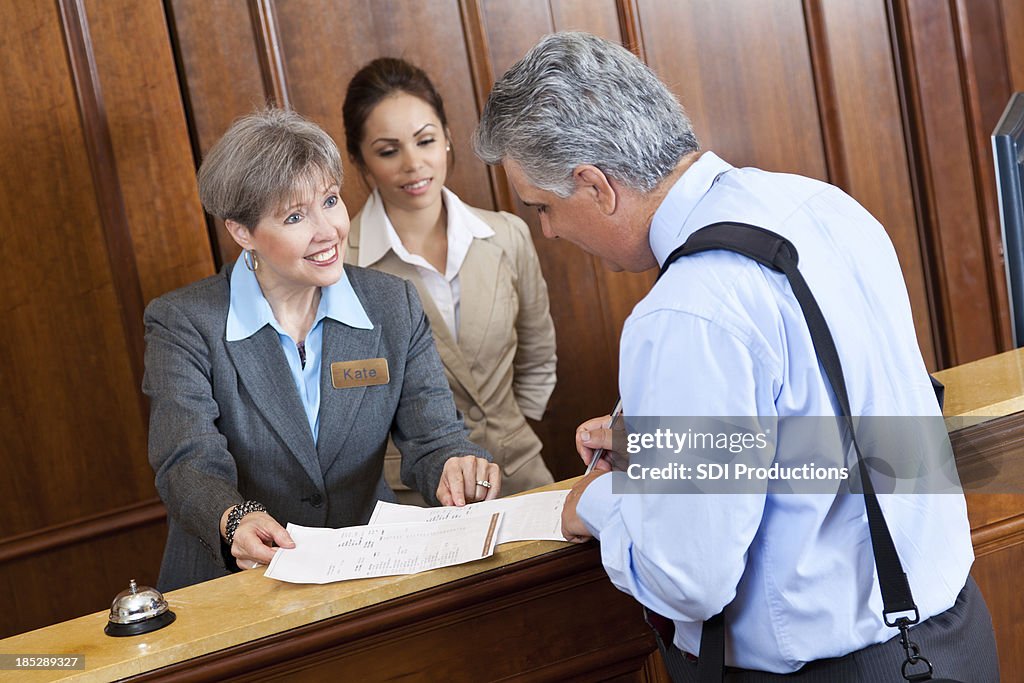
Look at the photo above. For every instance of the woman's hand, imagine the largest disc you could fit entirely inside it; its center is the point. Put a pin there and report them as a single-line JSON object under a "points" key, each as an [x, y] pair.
{"points": [[255, 539], [462, 481], [593, 434]]}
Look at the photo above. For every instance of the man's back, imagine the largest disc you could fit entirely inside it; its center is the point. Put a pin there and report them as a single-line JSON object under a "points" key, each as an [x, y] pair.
{"points": [[721, 335]]}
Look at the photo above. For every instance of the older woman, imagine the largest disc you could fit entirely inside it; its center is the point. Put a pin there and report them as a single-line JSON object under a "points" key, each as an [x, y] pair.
{"points": [[476, 271], [275, 384]]}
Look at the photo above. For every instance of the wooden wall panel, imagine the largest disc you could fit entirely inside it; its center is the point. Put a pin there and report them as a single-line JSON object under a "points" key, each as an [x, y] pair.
{"points": [[1005, 603], [988, 458], [63, 346], [964, 291], [743, 72], [531, 18], [154, 159], [599, 18], [866, 134], [80, 577], [219, 68], [220, 71], [74, 455], [1013, 24], [997, 531], [981, 46]]}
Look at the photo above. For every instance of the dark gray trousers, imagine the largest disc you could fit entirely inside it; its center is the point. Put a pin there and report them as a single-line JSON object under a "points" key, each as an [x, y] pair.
{"points": [[960, 644]]}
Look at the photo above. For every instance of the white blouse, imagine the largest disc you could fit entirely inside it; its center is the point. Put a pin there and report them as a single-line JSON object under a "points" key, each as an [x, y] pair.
{"points": [[444, 289]]}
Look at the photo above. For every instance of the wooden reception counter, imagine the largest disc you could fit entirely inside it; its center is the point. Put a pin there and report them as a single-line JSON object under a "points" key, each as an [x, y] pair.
{"points": [[985, 414], [987, 388], [540, 611]]}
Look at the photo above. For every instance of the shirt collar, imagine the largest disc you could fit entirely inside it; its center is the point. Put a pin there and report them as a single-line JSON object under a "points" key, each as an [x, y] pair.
{"points": [[374, 244], [668, 228], [461, 217], [249, 311], [463, 227]]}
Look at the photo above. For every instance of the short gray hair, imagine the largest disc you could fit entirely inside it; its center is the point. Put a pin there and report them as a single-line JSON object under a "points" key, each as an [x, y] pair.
{"points": [[578, 99], [261, 161]]}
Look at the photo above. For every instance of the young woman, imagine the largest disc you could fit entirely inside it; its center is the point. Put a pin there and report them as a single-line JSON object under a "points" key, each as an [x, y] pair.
{"points": [[476, 271]]}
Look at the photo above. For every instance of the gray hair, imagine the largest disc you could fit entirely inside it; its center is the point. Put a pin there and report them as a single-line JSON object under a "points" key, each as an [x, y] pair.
{"points": [[261, 161], [578, 99]]}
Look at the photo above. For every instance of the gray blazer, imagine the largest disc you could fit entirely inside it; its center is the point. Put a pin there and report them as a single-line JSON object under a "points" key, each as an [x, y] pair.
{"points": [[227, 424]]}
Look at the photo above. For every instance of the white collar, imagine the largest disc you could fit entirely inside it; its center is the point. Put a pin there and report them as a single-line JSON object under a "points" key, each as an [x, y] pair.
{"points": [[667, 227], [377, 235], [249, 311]]}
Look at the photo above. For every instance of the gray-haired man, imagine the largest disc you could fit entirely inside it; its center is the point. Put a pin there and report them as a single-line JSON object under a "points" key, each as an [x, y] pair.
{"points": [[590, 137]]}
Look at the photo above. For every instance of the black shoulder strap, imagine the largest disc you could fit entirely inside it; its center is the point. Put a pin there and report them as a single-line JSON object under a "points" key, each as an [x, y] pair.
{"points": [[776, 252]]}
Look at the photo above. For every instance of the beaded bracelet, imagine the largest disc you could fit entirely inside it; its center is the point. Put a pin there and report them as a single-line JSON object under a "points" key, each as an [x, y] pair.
{"points": [[235, 517]]}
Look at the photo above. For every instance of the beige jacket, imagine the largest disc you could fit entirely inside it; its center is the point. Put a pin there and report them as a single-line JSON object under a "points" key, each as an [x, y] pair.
{"points": [[502, 368]]}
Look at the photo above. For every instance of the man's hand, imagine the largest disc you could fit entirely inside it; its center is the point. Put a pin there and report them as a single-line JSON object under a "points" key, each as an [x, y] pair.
{"points": [[461, 481], [573, 527], [593, 434]]}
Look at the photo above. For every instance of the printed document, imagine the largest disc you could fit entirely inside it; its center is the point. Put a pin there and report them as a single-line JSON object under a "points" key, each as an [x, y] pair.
{"points": [[530, 517], [359, 552]]}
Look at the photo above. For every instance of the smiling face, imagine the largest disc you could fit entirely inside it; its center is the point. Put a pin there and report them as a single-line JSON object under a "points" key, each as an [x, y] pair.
{"points": [[404, 150], [301, 244]]}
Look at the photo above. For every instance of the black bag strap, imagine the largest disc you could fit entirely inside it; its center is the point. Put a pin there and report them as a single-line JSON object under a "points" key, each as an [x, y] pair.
{"points": [[776, 252]]}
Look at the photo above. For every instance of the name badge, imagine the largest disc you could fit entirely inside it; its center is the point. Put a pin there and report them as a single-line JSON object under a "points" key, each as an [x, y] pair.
{"points": [[360, 373]]}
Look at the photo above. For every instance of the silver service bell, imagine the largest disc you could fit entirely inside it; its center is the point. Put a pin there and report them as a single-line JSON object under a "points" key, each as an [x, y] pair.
{"points": [[140, 609]]}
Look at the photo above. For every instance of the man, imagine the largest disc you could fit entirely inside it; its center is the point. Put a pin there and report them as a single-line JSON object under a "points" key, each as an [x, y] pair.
{"points": [[590, 137]]}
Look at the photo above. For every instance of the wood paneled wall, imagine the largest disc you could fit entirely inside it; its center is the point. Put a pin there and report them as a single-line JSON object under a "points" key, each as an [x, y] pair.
{"points": [[102, 214], [110, 105]]}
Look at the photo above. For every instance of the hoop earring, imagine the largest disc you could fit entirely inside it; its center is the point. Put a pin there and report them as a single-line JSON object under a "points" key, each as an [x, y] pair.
{"points": [[250, 260]]}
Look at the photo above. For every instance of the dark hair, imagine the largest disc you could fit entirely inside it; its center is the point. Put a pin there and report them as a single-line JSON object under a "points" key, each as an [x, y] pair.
{"points": [[376, 81]]}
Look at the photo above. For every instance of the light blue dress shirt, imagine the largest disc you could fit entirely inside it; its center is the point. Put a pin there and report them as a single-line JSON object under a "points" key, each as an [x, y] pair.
{"points": [[249, 311], [720, 335]]}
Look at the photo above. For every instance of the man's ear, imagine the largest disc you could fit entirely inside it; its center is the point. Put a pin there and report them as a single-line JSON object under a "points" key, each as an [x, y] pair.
{"points": [[239, 233], [597, 186]]}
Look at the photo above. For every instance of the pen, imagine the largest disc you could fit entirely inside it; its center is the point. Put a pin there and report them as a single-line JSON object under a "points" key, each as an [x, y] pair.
{"points": [[616, 411]]}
